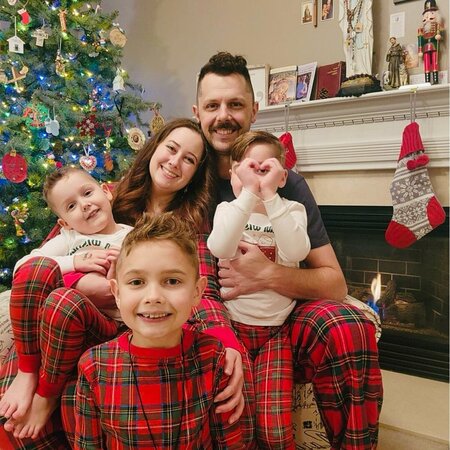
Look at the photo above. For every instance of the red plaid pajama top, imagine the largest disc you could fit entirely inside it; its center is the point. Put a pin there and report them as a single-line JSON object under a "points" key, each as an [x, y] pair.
{"points": [[177, 390]]}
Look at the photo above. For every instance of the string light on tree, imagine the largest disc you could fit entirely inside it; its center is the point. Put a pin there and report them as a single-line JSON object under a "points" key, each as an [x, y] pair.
{"points": [[57, 72]]}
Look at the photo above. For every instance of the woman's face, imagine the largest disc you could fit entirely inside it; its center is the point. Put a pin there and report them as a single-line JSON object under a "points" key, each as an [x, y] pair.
{"points": [[175, 161]]}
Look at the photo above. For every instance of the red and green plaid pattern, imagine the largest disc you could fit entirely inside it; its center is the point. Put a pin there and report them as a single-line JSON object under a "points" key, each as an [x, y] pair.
{"points": [[56, 324], [270, 354], [177, 393], [334, 347]]}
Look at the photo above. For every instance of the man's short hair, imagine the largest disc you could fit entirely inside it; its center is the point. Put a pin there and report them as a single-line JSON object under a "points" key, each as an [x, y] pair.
{"points": [[223, 64]]}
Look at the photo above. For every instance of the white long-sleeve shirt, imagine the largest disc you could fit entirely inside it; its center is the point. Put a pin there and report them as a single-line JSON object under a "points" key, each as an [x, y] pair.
{"points": [[281, 234], [68, 243]]}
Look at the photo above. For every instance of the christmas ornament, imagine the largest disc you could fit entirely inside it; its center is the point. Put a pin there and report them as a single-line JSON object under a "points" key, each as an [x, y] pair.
{"points": [[62, 20], [107, 161], [88, 125], [118, 83], [88, 162], [35, 115], [157, 122], [3, 77], [50, 159], [17, 75], [40, 34], [25, 16], [416, 209], [14, 167], [117, 37], [60, 64], [52, 127], [290, 156], [19, 214], [136, 138], [14, 42]]}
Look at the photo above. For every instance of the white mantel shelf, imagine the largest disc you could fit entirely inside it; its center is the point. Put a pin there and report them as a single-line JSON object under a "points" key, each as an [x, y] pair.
{"points": [[362, 133]]}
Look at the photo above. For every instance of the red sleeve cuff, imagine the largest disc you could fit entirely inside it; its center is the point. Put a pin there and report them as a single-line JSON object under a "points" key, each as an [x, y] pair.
{"points": [[226, 336]]}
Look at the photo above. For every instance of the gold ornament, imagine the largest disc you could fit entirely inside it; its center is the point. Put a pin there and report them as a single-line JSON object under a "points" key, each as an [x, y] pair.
{"points": [[136, 138], [117, 38], [156, 123]]}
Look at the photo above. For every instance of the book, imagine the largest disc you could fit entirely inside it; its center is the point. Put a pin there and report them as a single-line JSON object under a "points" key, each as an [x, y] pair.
{"points": [[305, 81], [259, 76], [282, 84], [329, 79]]}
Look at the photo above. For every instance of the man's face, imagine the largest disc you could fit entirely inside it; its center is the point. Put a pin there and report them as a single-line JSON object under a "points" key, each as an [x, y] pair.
{"points": [[225, 109]]}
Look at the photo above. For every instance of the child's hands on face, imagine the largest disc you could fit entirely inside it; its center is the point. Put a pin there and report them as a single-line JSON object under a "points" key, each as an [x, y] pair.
{"points": [[271, 174], [95, 260], [246, 171]]}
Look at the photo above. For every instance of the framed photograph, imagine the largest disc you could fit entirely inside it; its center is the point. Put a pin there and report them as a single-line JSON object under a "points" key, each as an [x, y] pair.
{"points": [[282, 84], [259, 75], [327, 9], [307, 11], [305, 81]]}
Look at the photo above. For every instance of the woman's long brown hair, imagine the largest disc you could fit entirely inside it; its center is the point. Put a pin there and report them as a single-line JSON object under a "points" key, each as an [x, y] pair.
{"points": [[192, 203]]}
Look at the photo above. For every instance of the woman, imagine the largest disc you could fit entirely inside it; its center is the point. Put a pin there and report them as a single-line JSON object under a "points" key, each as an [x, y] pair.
{"points": [[171, 173]]}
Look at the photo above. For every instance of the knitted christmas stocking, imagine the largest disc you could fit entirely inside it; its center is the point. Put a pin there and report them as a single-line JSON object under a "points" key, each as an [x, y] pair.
{"points": [[416, 209], [291, 157]]}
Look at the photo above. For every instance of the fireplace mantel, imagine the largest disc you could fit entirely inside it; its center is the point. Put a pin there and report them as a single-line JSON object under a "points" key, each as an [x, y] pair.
{"points": [[363, 133]]}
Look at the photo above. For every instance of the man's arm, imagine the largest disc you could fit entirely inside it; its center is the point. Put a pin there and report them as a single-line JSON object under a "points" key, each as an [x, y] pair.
{"points": [[253, 272]]}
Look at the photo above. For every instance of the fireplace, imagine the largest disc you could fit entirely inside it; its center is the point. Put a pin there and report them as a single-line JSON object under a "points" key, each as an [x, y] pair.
{"points": [[415, 286]]}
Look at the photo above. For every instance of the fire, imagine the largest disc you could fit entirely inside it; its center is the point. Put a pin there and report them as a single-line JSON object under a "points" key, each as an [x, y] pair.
{"points": [[375, 288]]}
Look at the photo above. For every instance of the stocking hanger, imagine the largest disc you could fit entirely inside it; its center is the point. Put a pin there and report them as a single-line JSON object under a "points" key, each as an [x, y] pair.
{"points": [[412, 105], [287, 107]]}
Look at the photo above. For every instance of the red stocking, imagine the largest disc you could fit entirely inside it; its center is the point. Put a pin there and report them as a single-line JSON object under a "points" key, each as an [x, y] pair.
{"points": [[416, 209], [291, 157]]}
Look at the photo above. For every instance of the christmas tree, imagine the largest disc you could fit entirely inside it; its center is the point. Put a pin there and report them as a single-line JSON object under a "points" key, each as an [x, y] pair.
{"points": [[64, 99]]}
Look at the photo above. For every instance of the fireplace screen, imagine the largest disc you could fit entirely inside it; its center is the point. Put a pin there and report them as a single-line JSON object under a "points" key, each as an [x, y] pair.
{"points": [[414, 298]]}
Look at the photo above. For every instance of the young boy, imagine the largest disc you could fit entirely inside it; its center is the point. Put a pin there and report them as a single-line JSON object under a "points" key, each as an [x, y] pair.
{"points": [[278, 227], [52, 326], [154, 386]]}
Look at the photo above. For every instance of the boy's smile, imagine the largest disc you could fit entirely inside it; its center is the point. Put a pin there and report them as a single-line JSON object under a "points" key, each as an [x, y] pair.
{"points": [[156, 288]]}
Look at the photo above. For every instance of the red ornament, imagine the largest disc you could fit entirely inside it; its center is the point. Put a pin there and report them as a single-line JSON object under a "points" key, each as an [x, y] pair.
{"points": [[88, 125], [14, 167]]}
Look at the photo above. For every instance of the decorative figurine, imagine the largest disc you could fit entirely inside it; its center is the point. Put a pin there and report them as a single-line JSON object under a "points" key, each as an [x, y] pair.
{"points": [[394, 57], [429, 35]]}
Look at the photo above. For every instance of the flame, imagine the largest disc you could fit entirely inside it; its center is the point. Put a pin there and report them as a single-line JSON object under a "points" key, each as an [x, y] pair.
{"points": [[375, 288]]}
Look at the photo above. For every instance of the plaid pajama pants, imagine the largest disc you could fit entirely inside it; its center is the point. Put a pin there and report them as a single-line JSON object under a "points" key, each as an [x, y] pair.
{"points": [[330, 345], [52, 325]]}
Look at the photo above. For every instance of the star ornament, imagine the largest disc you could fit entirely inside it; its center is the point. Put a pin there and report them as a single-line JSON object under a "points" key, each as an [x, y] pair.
{"points": [[88, 125]]}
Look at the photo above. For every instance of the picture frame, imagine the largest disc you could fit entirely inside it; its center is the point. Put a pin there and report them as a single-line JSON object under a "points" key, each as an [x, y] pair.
{"points": [[326, 10], [307, 11], [259, 76], [282, 85], [305, 81]]}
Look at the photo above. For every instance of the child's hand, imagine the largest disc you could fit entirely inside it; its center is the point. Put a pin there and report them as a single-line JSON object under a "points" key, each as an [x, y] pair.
{"points": [[272, 175], [246, 171], [93, 261], [97, 288]]}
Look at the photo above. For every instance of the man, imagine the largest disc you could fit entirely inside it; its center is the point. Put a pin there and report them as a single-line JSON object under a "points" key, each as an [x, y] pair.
{"points": [[333, 346]]}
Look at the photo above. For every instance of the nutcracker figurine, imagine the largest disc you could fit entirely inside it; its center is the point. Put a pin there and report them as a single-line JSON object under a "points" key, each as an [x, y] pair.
{"points": [[429, 35]]}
